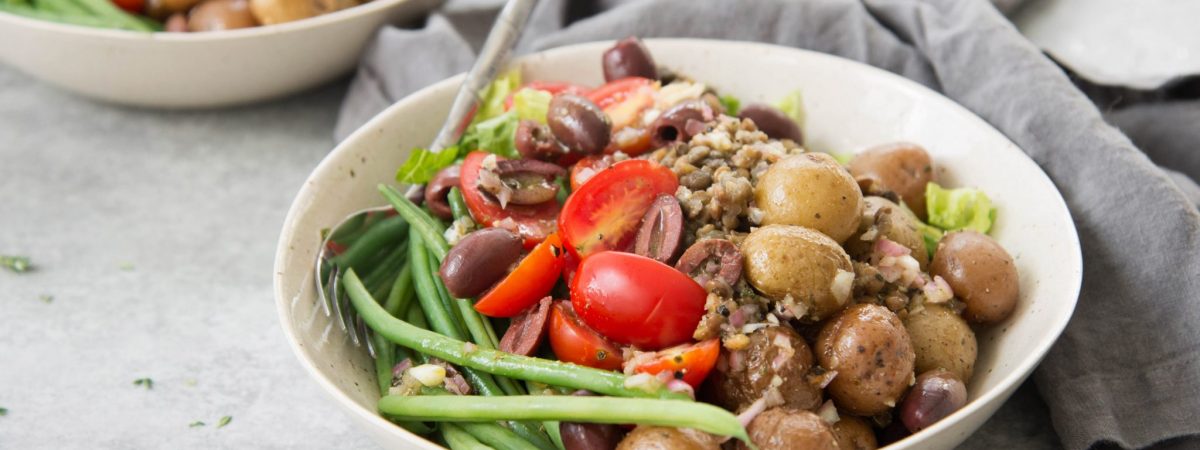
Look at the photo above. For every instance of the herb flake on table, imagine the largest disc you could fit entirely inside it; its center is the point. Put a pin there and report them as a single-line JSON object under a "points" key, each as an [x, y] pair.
{"points": [[224, 421], [196, 424], [126, 266], [46, 298], [3, 412], [144, 382], [17, 264]]}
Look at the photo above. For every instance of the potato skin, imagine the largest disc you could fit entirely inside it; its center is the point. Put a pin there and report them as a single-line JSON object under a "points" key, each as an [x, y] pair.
{"points": [[902, 167], [897, 225], [667, 438], [790, 429], [981, 273], [853, 433], [810, 190], [735, 390], [942, 340], [782, 260], [870, 349]]}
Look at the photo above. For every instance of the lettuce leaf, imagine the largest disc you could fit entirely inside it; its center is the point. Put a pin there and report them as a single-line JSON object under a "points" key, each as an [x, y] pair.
{"points": [[531, 104], [793, 106], [494, 135], [423, 164], [958, 209], [492, 104], [732, 105]]}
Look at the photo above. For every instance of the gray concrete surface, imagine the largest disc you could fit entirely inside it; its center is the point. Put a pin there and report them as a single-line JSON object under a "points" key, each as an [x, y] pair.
{"points": [[155, 232]]}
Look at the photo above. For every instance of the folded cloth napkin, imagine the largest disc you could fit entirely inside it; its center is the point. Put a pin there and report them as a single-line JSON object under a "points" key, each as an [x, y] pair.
{"points": [[1127, 370]]}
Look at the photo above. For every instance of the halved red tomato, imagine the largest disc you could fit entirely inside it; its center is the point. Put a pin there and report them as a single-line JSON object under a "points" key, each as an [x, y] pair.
{"points": [[632, 141], [688, 362], [574, 342], [587, 168], [533, 278], [132, 6], [625, 99], [604, 213], [636, 300], [532, 222], [553, 87]]}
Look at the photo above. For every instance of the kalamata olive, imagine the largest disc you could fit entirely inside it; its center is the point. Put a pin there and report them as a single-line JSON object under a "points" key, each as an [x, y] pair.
{"points": [[935, 395], [177, 23], [711, 259], [661, 231], [893, 433], [438, 189], [772, 121], [216, 15], [535, 141], [525, 181], [681, 122], [527, 330], [579, 124], [479, 260], [589, 436], [628, 58]]}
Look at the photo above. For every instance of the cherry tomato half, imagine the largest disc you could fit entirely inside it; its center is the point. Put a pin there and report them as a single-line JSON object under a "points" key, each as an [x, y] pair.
{"points": [[625, 99], [587, 168], [553, 87], [636, 300], [533, 278], [604, 213], [532, 222], [689, 362], [574, 342], [132, 6]]}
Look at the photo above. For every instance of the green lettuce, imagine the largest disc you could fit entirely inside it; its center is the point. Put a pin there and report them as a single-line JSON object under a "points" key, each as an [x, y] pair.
{"points": [[423, 164], [958, 209], [732, 104], [531, 104], [492, 104], [793, 106], [494, 135]]}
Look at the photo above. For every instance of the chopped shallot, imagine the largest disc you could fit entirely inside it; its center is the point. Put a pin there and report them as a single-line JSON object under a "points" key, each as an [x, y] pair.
{"points": [[843, 283], [752, 411], [828, 412], [681, 386], [938, 291]]}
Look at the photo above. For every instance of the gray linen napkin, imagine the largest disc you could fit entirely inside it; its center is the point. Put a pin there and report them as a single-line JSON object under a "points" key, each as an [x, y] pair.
{"points": [[1126, 371]]}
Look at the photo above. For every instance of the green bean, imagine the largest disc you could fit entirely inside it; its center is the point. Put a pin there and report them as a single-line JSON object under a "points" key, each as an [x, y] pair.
{"points": [[552, 429], [384, 234], [459, 439], [380, 279], [670, 413], [105, 9], [427, 292], [67, 7], [497, 436], [70, 19], [455, 351], [385, 351], [419, 220], [458, 205]]}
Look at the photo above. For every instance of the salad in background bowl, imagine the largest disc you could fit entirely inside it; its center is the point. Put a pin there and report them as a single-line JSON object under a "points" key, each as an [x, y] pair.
{"points": [[672, 235]]}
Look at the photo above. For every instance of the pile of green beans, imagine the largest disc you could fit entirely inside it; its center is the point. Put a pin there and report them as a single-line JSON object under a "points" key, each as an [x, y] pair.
{"points": [[88, 13], [437, 325]]}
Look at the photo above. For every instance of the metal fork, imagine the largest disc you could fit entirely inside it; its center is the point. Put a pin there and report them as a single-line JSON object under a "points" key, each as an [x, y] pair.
{"points": [[494, 54]]}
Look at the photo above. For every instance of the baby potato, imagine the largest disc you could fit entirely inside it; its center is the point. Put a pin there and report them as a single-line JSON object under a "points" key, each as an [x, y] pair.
{"points": [[893, 223], [666, 438], [980, 272], [902, 167], [942, 340], [870, 349], [810, 190], [783, 260], [853, 433], [736, 388], [790, 429]]}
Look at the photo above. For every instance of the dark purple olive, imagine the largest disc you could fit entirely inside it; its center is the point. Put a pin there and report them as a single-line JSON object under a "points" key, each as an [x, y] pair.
{"points": [[523, 181], [681, 122], [589, 436], [438, 189], [535, 141], [712, 259], [479, 260], [892, 433], [661, 231], [772, 121], [935, 395], [579, 124], [527, 330], [628, 58]]}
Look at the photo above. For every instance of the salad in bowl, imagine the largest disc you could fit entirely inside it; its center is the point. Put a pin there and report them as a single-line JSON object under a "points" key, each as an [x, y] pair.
{"points": [[650, 263]]}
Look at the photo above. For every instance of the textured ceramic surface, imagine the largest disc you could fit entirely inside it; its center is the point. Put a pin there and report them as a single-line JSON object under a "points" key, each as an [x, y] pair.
{"points": [[197, 70], [849, 107]]}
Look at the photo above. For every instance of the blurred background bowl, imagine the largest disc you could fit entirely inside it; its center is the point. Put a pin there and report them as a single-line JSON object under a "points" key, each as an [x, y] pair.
{"points": [[849, 106], [198, 70]]}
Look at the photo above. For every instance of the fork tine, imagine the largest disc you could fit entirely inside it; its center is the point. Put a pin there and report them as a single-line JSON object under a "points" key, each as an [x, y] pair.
{"points": [[365, 334], [335, 287], [324, 289], [348, 317]]}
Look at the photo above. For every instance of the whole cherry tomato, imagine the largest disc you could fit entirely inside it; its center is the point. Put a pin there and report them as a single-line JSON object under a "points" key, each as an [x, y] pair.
{"points": [[533, 278], [532, 222], [553, 87], [604, 213], [636, 300], [688, 362], [574, 342]]}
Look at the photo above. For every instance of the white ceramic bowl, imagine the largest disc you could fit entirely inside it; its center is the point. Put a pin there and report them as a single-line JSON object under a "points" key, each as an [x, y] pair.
{"points": [[197, 70], [849, 106]]}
